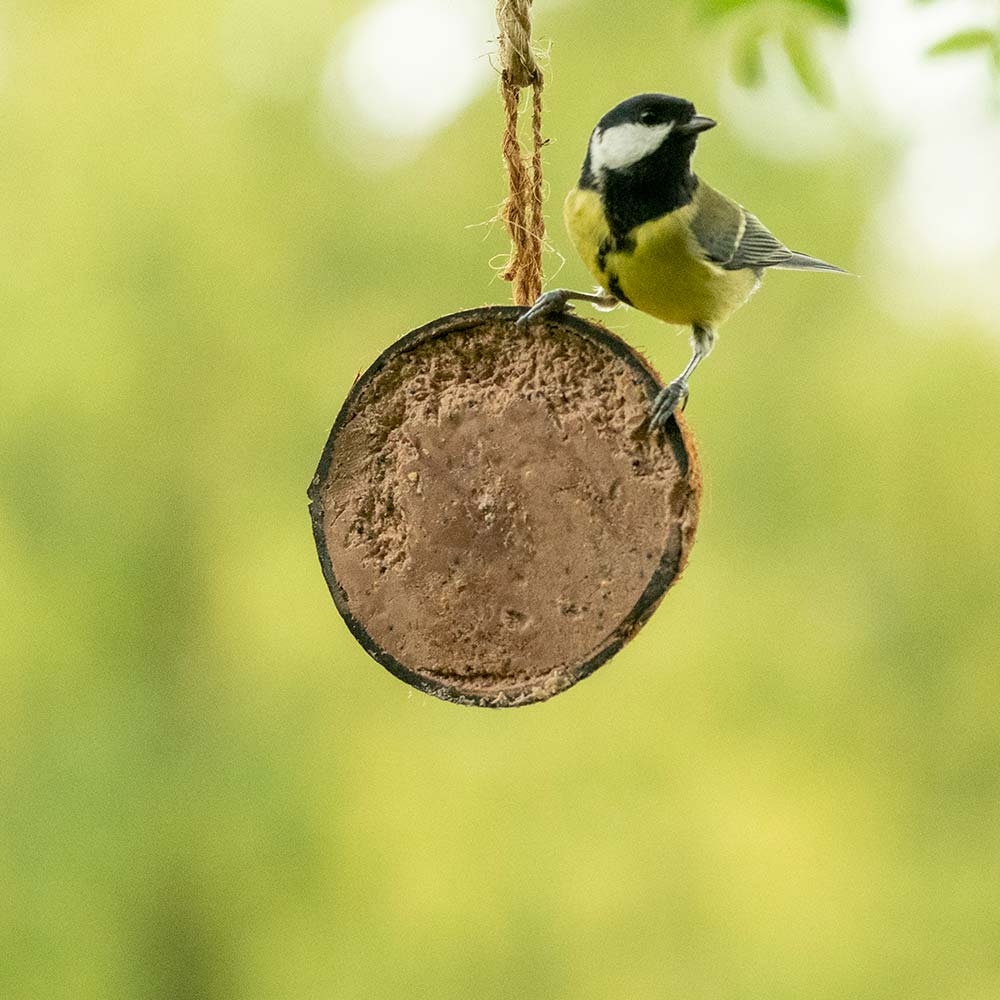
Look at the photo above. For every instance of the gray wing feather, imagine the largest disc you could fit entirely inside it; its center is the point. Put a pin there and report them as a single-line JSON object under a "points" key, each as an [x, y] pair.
{"points": [[803, 262], [717, 225], [735, 239], [756, 247]]}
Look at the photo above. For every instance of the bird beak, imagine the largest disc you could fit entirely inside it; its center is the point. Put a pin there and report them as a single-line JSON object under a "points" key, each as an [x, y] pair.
{"points": [[700, 123]]}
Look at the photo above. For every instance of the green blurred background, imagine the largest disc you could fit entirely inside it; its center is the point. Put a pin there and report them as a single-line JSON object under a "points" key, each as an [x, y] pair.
{"points": [[787, 786]]}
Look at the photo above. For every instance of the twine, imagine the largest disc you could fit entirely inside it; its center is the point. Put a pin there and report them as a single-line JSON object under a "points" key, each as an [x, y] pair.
{"points": [[522, 209]]}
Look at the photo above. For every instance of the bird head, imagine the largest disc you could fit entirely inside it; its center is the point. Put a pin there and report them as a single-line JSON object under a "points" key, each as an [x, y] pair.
{"points": [[643, 128]]}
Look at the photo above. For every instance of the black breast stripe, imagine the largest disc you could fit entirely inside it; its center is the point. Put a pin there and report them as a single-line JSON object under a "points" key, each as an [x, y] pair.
{"points": [[615, 288]]}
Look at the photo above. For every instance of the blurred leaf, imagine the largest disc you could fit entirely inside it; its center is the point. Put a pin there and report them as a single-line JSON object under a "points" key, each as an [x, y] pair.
{"points": [[748, 61], [807, 69], [720, 8], [964, 41], [835, 9]]}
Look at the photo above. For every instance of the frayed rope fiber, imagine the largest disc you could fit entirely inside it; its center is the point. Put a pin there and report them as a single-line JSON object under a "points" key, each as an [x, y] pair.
{"points": [[522, 209]]}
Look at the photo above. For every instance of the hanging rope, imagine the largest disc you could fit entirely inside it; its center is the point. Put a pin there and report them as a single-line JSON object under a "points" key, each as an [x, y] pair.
{"points": [[522, 209]]}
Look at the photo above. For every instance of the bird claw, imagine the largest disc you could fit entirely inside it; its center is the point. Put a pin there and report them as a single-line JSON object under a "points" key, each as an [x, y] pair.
{"points": [[666, 403], [548, 302]]}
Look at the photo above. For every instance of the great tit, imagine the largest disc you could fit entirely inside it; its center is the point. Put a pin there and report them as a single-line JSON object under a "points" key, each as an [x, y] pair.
{"points": [[658, 238]]}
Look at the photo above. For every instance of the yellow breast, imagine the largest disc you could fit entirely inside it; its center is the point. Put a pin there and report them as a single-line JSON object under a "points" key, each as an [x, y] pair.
{"points": [[660, 269]]}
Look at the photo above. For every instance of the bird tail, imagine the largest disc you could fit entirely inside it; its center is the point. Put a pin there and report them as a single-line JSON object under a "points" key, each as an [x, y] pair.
{"points": [[803, 262]]}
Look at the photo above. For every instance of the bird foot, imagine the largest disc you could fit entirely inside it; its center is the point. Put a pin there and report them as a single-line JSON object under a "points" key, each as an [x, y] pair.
{"points": [[666, 402], [549, 302]]}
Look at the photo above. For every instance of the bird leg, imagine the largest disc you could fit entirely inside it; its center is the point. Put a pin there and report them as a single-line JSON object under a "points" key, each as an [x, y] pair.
{"points": [[702, 342], [558, 301]]}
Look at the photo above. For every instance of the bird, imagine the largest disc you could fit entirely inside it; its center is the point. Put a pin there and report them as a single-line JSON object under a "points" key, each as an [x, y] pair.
{"points": [[658, 238]]}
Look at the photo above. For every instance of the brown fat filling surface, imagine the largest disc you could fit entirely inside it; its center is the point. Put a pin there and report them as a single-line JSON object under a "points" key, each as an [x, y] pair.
{"points": [[496, 506]]}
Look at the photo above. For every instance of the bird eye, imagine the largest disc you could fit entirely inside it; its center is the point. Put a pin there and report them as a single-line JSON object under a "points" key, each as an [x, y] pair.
{"points": [[647, 117]]}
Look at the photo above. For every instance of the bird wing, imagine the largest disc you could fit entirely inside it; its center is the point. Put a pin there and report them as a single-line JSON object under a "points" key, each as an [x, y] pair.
{"points": [[732, 237], [756, 247], [735, 239]]}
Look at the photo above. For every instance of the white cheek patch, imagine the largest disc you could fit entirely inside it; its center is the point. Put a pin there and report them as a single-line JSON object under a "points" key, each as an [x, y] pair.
{"points": [[622, 145]]}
